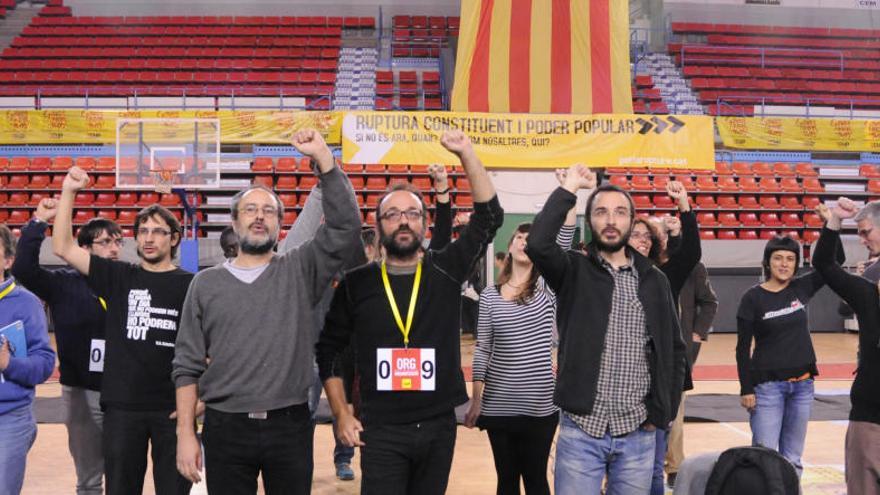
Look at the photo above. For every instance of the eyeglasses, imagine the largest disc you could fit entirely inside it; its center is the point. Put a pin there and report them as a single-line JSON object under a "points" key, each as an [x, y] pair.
{"points": [[104, 243], [143, 231], [251, 210], [864, 233], [644, 236], [395, 215]]}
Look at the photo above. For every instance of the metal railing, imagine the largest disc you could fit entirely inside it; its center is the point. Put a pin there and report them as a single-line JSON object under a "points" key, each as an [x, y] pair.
{"points": [[764, 52], [850, 104]]}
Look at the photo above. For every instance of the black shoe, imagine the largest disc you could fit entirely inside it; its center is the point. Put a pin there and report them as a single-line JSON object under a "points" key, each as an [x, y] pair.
{"points": [[670, 479]]}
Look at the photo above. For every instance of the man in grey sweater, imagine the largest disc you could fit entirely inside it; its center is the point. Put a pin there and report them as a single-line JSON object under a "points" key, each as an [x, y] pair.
{"points": [[247, 337]]}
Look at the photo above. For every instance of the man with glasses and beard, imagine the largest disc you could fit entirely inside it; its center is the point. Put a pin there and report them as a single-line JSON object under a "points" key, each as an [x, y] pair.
{"points": [[253, 316], [401, 316], [621, 355], [143, 310]]}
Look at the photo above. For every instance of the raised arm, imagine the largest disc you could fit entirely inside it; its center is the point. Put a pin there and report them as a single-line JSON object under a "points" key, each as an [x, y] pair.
{"points": [[339, 236], [63, 243], [459, 257], [682, 262], [541, 245], [307, 223], [26, 267], [858, 292], [442, 234]]}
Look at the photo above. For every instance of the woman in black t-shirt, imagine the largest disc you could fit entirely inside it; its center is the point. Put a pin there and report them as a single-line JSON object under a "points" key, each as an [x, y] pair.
{"points": [[776, 380]]}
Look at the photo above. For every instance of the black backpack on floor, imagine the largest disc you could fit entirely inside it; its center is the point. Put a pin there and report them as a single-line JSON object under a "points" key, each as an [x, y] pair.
{"points": [[754, 471]]}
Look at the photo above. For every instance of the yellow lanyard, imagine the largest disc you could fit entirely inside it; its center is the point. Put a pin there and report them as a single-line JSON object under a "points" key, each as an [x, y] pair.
{"points": [[7, 290], [103, 303], [404, 329]]}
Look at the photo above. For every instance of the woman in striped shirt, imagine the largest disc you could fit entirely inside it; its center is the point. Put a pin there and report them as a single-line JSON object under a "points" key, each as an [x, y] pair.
{"points": [[513, 376]]}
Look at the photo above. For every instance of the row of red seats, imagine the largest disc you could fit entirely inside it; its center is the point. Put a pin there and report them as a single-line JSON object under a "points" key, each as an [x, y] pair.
{"points": [[747, 99], [178, 41], [863, 48], [33, 31], [809, 236], [282, 61], [91, 199], [136, 77], [314, 21], [37, 58], [724, 183], [425, 22], [730, 202], [768, 219], [816, 88], [711, 70], [316, 97], [814, 32]]}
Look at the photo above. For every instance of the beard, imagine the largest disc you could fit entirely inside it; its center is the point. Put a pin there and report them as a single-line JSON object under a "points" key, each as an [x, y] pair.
{"points": [[610, 247], [253, 246], [400, 249], [149, 259]]}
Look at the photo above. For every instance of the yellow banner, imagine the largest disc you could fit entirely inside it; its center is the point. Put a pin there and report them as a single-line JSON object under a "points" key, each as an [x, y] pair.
{"points": [[99, 126], [532, 141], [792, 133]]}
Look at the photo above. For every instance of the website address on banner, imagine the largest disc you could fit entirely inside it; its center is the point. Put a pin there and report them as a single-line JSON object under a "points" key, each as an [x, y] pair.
{"points": [[647, 160]]}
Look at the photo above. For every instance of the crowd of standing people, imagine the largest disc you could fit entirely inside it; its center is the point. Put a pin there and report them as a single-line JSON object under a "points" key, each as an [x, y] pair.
{"points": [[592, 344]]}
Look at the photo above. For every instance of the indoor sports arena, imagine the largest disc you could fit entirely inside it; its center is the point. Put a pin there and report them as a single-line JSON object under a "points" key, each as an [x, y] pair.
{"points": [[622, 247]]}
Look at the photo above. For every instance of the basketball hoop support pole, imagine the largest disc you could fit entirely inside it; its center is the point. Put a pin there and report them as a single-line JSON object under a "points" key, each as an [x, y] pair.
{"points": [[189, 247]]}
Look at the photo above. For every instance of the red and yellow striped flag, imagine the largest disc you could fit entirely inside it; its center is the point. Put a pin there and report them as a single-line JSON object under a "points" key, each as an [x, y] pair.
{"points": [[543, 56]]}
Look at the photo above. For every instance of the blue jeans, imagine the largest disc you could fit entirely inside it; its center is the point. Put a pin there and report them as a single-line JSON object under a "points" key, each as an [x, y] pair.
{"points": [[342, 453], [18, 430], [657, 484], [583, 461], [779, 420]]}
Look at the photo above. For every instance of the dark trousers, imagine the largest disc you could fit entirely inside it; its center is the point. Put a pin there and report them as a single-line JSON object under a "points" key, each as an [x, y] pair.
{"points": [[239, 448], [412, 458], [126, 436], [521, 450]]}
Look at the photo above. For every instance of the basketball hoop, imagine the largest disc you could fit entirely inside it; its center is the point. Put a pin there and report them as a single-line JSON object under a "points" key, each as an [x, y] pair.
{"points": [[163, 180]]}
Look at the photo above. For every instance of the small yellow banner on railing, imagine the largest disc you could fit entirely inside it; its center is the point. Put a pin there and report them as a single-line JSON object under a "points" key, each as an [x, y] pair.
{"points": [[799, 134], [99, 126]]}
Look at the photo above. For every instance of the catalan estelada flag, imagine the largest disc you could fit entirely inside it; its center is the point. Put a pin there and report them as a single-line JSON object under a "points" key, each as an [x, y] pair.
{"points": [[543, 56]]}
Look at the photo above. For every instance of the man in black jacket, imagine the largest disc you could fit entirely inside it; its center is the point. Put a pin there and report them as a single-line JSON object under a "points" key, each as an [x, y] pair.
{"points": [[621, 356], [79, 333]]}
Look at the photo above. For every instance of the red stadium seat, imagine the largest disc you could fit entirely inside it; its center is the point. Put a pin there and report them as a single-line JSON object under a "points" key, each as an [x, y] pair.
{"points": [[705, 201], [811, 202], [723, 168], [727, 234], [812, 184], [727, 183], [762, 169], [749, 219], [286, 164], [783, 170], [748, 184], [727, 202], [770, 220], [620, 181], [707, 219], [286, 182], [663, 201], [262, 164], [706, 183], [707, 235], [811, 236], [748, 202], [769, 203], [768, 184], [642, 201], [806, 170], [728, 219], [747, 235], [742, 168]]}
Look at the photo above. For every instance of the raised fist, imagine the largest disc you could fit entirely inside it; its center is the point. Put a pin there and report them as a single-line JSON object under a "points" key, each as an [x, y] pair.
{"points": [[579, 176], [46, 209], [75, 180], [456, 142], [309, 142], [845, 208], [439, 176], [672, 225], [823, 211]]}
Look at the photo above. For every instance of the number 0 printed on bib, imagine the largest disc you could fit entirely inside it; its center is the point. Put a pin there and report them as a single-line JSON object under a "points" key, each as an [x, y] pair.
{"points": [[405, 370]]}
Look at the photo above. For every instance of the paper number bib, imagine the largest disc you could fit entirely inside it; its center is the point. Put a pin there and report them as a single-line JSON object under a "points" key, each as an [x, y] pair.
{"points": [[405, 370], [96, 356]]}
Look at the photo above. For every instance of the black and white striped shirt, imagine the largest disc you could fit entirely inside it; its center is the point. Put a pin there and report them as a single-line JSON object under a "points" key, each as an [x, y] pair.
{"points": [[513, 356]]}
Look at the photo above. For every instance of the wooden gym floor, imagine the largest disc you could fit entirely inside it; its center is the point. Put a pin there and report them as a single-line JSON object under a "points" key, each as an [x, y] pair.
{"points": [[50, 468]]}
